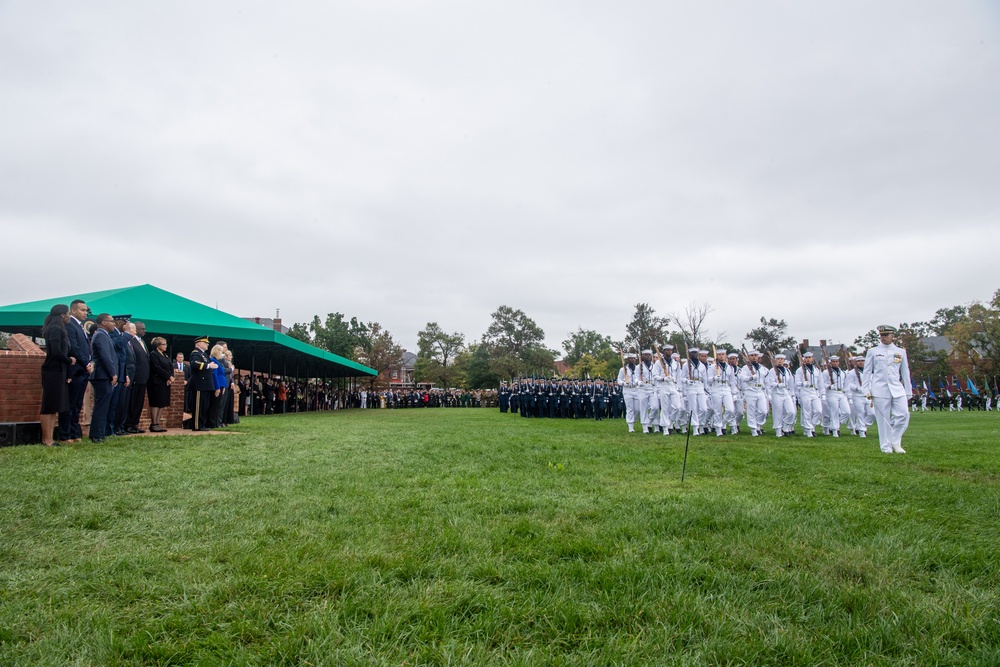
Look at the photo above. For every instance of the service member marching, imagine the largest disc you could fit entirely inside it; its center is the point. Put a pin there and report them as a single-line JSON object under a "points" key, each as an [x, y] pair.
{"points": [[886, 382]]}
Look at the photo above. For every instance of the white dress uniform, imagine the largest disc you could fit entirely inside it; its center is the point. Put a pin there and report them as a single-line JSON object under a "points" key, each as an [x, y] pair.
{"points": [[669, 395], [720, 390], [648, 400], [886, 379], [837, 407], [781, 387], [753, 378], [808, 386], [862, 415], [628, 380], [738, 410], [693, 378]]}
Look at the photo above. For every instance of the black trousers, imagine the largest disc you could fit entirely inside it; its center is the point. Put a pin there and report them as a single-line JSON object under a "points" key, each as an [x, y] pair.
{"points": [[136, 402], [200, 407]]}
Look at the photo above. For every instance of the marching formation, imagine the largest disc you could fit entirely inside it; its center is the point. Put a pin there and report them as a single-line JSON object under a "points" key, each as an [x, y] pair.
{"points": [[716, 391]]}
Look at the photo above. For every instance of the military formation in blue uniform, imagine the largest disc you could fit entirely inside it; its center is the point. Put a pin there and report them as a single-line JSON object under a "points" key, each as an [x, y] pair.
{"points": [[561, 398]]}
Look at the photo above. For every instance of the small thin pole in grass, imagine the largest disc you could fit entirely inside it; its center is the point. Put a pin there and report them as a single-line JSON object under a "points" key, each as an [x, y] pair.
{"points": [[686, 443]]}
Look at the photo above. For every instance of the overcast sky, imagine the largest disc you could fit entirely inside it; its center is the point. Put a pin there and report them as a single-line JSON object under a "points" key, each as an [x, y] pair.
{"points": [[834, 164]]}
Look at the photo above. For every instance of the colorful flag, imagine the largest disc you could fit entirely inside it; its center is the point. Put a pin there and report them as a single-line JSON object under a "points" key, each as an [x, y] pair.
{"points": [[930, 392], [971, 387]]}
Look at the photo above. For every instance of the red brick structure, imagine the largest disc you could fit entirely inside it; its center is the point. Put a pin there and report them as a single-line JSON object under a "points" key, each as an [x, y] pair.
{"points": [[20, 380], [21, 387]]}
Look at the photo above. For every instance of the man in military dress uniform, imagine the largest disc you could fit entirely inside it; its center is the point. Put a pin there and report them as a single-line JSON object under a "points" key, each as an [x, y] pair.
{"points": [[202, 383], [886, 382]]}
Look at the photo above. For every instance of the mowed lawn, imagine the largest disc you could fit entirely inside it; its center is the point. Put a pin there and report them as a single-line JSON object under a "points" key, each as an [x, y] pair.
{"points": [[459, 537]]}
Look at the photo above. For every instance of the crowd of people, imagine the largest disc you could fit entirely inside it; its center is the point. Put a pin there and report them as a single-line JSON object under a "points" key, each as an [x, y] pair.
{"points": [[698, 394], [666, 393], [264, 395]]}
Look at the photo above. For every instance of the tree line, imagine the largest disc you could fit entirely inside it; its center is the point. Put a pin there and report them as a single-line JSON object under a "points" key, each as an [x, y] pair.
{"points": [[513, 344]]}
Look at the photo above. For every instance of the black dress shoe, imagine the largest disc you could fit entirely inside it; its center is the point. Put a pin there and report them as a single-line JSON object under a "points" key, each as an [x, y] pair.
{"points": [[97, 441], [131, 431]]}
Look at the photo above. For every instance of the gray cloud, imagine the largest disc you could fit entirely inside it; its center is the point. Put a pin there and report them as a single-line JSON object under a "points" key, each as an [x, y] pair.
{"points": [[832, 165]]}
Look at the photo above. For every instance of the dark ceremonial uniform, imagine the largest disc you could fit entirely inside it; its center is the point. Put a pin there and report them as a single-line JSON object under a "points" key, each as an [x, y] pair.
{"points": [[503, 397], [515, 398], [540, 403], [588, 400], [527, 399], [202, 386], [553, 400], [577, 396], [617, 402], [600, 401]]}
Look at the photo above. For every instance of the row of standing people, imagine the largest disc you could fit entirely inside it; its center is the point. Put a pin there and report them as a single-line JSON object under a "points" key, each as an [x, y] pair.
{"points": [[114, 361]]}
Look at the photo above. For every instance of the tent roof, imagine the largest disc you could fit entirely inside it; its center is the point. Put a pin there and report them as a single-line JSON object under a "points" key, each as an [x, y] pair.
{"points": [[181, 320]]}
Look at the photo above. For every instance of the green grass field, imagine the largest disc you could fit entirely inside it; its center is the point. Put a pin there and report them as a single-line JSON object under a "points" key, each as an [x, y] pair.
{"points": [[458, 537]]}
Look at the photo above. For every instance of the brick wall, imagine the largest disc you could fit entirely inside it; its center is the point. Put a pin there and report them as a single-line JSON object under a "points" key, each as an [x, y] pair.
{"points": [[21, 380], [21, 387]]}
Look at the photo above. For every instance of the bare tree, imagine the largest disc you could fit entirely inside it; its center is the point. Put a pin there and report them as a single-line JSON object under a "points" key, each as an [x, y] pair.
{"points": [[692, 322]]}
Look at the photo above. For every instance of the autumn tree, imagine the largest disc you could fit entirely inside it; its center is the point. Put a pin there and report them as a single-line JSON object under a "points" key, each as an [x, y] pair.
{"points": [[436, 353], [379, 351]]}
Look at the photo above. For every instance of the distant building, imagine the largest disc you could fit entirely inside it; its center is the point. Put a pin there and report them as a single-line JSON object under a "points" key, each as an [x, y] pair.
{"points": [[269, 323], [403, 377]]}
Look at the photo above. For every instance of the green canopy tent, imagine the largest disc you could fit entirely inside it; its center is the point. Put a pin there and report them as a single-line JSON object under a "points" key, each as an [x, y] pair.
{"points": [[181, 320]]}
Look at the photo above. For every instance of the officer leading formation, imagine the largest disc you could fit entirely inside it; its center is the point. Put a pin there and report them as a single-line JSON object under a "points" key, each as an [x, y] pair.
{"points": [[712, 392]]}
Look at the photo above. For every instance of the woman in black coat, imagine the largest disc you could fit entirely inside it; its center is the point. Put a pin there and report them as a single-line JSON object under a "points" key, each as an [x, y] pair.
{"points": [[161, 376], [55, 370]]}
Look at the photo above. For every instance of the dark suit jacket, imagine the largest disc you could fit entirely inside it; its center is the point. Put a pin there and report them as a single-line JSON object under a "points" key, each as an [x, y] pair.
{"points": [[105, 358], [141, 361], [160, 368], [129, 356], [79, 348]]}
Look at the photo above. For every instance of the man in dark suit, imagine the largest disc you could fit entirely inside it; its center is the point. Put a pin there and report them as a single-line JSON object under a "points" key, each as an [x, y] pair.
{"points": [[124, 346], [202, 383], [79, 373], [139, 380], [184, 367], [105, 375]]}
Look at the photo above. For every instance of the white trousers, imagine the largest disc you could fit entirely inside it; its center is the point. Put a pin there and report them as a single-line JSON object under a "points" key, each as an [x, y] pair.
{"points": [[738, 410], [648, 404], [722, 408], [696, 405], [670, 408], [812, 411], [862, 415], [631, 397], [892, 418], [756, 409], [783, 411], [837, 408]]}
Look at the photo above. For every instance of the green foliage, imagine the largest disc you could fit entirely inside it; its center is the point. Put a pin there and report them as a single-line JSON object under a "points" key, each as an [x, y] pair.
{"points": [[771, 336], [976, 337], [436, 354], [645, 329], [514, 344], [588, 342], [300, 331], [476, 365], [469, 537]]}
